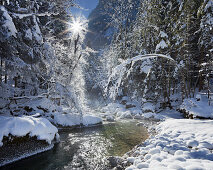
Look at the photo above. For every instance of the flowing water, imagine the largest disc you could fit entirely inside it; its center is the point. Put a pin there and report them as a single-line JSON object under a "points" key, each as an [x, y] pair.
{"points": [[86, 148]]}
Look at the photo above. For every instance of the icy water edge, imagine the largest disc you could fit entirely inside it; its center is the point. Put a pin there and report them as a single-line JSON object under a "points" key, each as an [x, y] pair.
{"points": [[86, 148]]}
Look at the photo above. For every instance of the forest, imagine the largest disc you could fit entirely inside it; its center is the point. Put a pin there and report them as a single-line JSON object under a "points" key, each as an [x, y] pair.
{"points": [[128, 87]]}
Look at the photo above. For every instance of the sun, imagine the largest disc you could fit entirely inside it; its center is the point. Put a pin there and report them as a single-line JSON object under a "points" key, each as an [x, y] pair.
{"points": [[78, 25]]}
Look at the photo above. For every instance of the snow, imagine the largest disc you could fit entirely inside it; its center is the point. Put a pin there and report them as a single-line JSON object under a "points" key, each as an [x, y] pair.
{"points": [[181, 6], [115, 111], [208, 5], [131, 159], [123, 115], [36, 30], [163, 34], [8, 22], [59, 115], [21, 126], [76, 119], [148, 107], [110, 118], [91, 120], [146, 111], [146, 67], [196, 108], [28, 34], [179, 144], [123, 69], [161, 45]]}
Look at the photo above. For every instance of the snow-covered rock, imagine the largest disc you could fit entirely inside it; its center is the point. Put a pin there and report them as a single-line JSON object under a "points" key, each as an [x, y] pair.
{"points": [[132, 167], [192, 143], [123, 115], [154, 151], [21, 126], [206, 145], [148, 107], [110, 118], [76, 119], [131, 159], [91, 120], [142, 165]]}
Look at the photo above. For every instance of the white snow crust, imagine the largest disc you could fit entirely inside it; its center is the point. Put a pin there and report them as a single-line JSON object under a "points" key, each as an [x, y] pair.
{"points": [[21, 126], [161, 45], [76, 119], [198, 108], [182, 144]]}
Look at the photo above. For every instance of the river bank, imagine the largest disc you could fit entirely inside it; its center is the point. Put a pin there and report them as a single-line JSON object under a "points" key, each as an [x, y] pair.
{"points": [[87, 148], [182, 144]]}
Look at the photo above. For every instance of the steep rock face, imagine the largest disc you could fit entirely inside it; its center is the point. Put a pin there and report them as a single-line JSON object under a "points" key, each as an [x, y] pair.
{"points": [[101, 26]]}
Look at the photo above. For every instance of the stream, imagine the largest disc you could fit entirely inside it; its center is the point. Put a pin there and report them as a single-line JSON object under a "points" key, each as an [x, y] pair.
{"points": [[86, 148]]}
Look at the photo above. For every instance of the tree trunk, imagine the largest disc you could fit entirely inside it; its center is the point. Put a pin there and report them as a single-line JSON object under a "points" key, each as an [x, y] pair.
{"points": [[1, 69], [5, 77]]}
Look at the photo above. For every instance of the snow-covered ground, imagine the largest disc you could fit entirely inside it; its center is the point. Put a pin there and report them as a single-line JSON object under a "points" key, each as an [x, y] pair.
{"points": [[120, 111], [199, 108], [58, 115], [179, 143], [182, 144], [21, 126], [37, 122]]}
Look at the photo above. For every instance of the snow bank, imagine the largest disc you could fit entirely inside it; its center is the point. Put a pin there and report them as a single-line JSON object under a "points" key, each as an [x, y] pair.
{"points": [[76, 119], [67, 119], [148, 107], [21, 126], [120, 111], [91, 120], [147, 111], [198, 108], [180, 144]]}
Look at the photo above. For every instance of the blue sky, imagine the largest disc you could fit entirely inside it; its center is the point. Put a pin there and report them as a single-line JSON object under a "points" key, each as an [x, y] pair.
{"points": [[88, 6]]}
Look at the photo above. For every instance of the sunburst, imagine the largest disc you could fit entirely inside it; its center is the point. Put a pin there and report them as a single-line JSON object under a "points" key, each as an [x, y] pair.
{"points": [[78, 26]]}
